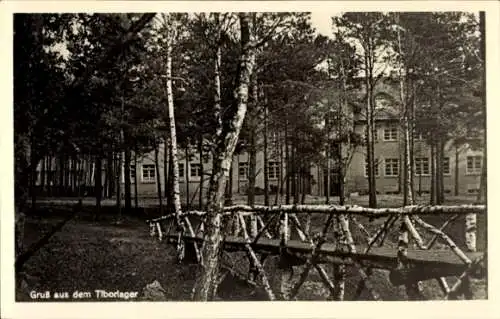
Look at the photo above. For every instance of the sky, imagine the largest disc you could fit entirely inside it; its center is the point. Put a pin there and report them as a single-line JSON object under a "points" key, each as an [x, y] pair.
{"points": [[322, 21]]}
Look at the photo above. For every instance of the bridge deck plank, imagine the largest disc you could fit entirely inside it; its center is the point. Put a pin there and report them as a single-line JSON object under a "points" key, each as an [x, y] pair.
{"points": [[379, 257]]}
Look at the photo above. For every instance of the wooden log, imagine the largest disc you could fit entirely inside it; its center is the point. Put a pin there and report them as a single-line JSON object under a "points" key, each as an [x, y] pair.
{"points": [[321, 271], [465, 279], [382, 230], [325, 279], [160, 234], [339, 271], [386, 233], [379, 258], [412, 288], [361, 228], [199, 256], [252, 269], [152, 229], [265, 282], [265, 227], [298, 227], [168, 228], [337, 210], [413, 232], [180, 247], [446, 238], [284, 264], [470, 231], [358, 210], [182, 215], [253, 225], [305, 272], [284, 229], [344, 227], [237, 226], [443, 284], [434, 238], [312, 259]]}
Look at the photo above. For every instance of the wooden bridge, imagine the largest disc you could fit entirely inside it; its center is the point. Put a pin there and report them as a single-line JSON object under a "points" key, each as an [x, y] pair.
{"points": [[262, 231]]}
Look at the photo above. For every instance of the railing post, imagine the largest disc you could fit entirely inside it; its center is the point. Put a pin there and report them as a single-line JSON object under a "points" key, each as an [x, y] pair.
{"points": [[237, 226], [339, 271], [284, 264], [412, 288], [470, 232]]}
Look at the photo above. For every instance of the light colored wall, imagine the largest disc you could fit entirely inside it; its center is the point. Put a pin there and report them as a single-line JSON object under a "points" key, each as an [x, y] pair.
{"points": [[358, 182]]}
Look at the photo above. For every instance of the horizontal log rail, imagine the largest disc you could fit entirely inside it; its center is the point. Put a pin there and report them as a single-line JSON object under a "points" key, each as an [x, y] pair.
{"points": [[348, 210], [359, 210]]}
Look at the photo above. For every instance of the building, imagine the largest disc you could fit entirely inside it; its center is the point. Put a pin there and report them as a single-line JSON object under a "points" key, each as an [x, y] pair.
{"points": [[462, 165]]}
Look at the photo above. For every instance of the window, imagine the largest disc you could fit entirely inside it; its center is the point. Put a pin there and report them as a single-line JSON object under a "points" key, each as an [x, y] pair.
{"points": [[474, 164], [181, 170], [446, 166], [391, 167], [391, 133], [366, 167], [273, 170], [422, 166], [195, 170], [418, 136], [148, 173], [243, 170]]}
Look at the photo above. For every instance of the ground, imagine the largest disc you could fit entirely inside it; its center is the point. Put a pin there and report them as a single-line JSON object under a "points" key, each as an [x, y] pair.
{"points": [[88, 255]]}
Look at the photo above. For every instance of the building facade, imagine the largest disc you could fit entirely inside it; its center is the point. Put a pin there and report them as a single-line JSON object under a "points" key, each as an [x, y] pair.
{"points": [[462, 164]]}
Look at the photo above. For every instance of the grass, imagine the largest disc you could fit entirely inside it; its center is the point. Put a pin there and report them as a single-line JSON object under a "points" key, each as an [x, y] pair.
{"points": [[87, 255]]}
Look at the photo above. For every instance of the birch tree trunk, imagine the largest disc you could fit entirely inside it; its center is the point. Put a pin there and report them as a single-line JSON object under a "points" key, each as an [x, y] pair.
{"points": [[217, 81], [441, 172], [173, 136], [370, 154], [287, 163], [128, 195], [98, 185], [110, 175], [202, 173], [266, 159], [50, 176], [118, 185], [328, 155], [207, 274], [408, 198], [158, 177], [342, 170], [136, 195], [483, 184], [252, 165], [433, 173], [295, 179], [165, 169], [186, 176], [43, 173], [457, 171], [279, 189], [228, 200]]}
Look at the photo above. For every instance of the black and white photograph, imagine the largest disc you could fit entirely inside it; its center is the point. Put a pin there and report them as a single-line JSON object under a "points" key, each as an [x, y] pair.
{"points": [[245, 155]]}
